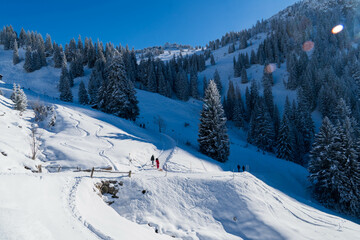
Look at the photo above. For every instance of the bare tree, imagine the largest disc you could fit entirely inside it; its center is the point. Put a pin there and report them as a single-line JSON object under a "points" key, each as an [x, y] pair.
{"points": [[160, 123], [34, 142]]}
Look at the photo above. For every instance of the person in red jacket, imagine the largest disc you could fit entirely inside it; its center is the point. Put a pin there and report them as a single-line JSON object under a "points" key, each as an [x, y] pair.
{"points": [[157, 163]]}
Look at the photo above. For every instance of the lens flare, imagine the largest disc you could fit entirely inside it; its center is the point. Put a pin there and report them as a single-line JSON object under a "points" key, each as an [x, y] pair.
{"points": [[308, 46], [270, 68], [337, 29]]}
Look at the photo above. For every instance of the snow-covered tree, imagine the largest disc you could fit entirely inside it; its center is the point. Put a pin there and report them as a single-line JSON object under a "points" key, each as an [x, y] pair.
{"points": [[212, 60], [19, 98], [244, 78], [213, 138], [48, 45], [16, 58], [217, 81], [65, 90], [83, 95], [28, 65], [284, 148], [324, 165], [194, 84], [120, 93]]}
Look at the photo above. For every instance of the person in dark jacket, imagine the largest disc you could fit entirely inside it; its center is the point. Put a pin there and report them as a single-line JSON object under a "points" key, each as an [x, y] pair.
{"points": [[152, 160], [157, 163], [243, 168], [238, 167]]}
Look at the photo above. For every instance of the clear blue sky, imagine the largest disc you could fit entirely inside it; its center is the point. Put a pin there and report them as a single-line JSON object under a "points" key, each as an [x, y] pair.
{"points": [[138, 23]]}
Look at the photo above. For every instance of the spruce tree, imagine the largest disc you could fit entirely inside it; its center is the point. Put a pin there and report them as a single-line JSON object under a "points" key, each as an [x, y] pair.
{"points": [[212, 60], [205, 85], [19, 98], [244, 78], [94, 85], [194, 84], [121, 99], [28, 65], [324, 164], [65, 91], [213, 138], [230, 101], [48, 45], [284, 147], [16, 58], [217, 80], [64, 74], [83, 95], [182, 85]]}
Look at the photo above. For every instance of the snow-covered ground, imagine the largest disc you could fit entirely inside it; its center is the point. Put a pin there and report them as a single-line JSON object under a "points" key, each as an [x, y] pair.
{"points": [[196, 198]]}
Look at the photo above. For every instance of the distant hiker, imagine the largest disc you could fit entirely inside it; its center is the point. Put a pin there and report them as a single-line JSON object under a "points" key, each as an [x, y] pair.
{"points": [[152, 160], [238, 167], [243, 168], [157, 163], [141, 125]]}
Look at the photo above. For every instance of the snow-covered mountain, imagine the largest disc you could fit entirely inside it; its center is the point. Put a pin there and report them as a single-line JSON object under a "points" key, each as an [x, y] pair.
{"points": [[192, 197], [321, 5]]}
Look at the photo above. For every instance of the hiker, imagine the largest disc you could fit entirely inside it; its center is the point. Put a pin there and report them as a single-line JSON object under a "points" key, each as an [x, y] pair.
{"points": [[157, 163], [238, 167], [152, 160], [243, 168]]}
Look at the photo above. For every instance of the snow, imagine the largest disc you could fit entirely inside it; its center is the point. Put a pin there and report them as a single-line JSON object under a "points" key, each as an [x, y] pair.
{"points": [[194, 197], [223, 206]]}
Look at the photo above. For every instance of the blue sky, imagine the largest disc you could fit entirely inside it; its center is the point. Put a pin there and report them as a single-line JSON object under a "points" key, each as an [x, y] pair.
{"points": [[138, 23]]}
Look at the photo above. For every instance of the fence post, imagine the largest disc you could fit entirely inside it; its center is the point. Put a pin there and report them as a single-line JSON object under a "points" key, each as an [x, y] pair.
{"points": [[130, 174], [92, 172]]}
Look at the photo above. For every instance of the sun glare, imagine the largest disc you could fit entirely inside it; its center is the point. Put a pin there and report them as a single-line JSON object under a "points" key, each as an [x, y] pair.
{"points": [[337, 29]]}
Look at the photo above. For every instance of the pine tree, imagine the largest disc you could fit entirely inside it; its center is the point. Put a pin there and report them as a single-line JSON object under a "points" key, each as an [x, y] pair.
{"points": [[48, 45], [239, 112], [120, 93], [151, 85], [217, 80], [94, 85], [284, 148], [349, 168], [212, 60], [182, 85], [213, 139], [205, 85], [237, 72], [16, 58], [244, 78], [65, 91], [194, 84], [261, 132], [64, 74], [324, 165], [83, 95], [230, 101], [28, 65], [19, 98]]}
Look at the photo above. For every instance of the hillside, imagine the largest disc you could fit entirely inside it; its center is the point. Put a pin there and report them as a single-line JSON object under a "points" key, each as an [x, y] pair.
{"points": [[191, 196]]}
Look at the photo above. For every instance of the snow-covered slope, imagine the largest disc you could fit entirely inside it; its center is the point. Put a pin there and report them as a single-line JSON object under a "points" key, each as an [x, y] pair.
{"points": [[224, 206], [195, 198]]}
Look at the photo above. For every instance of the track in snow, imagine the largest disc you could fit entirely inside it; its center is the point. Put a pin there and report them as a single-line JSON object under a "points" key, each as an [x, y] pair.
{"points": [[71, 203], [102, 153]]}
